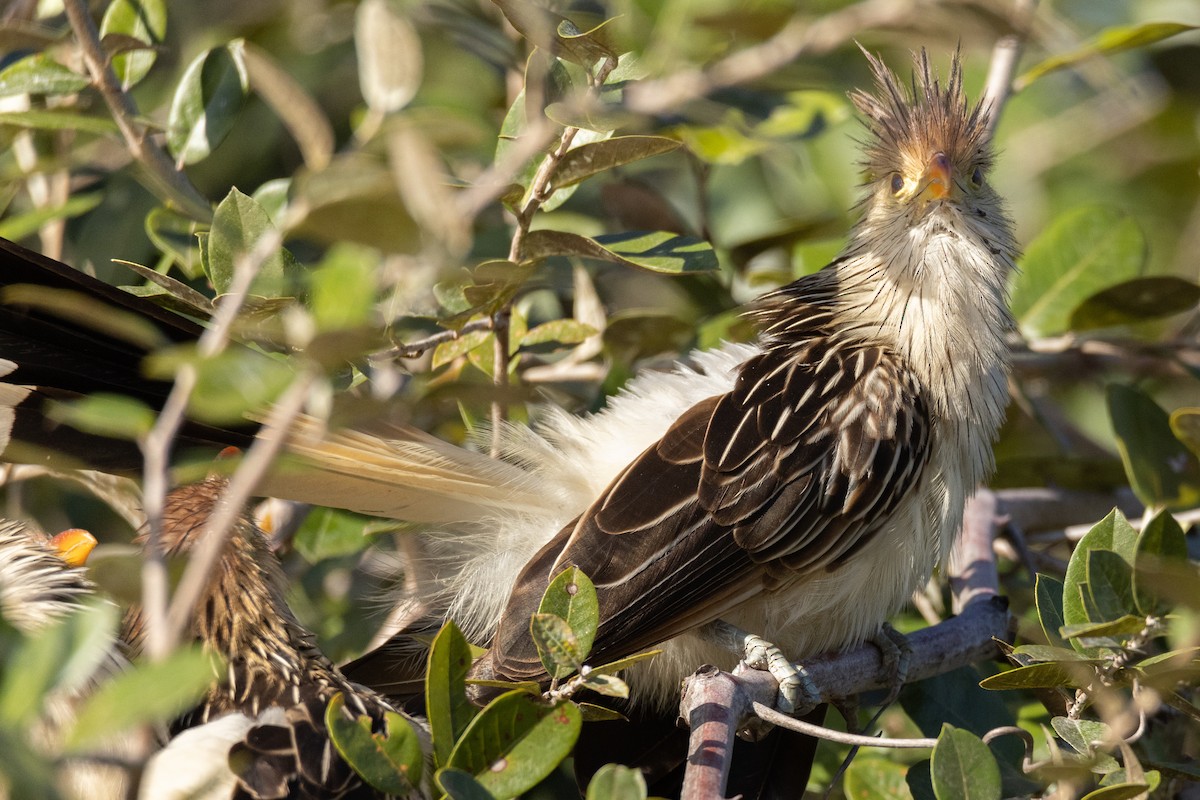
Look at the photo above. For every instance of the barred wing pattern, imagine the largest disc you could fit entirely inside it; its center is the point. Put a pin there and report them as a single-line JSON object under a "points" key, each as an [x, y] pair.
{"points": [[785, 476]]}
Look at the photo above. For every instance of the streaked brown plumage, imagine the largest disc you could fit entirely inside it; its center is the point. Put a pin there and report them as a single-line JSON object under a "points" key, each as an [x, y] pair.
{"points": [[810, 498], [272, 662]]}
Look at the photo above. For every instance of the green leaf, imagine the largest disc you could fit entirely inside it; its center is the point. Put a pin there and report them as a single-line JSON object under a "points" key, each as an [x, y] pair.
{"points": [[556, 644], [515, 742], [1119, 791], [330, 533], [1185, 424], [188, 298], [660, 251], [963, 768], [1039, 676], [143, 20], [62, 655], [591, 159], [613, 667], [1135, 300], [207, 102], [175, 235], [562, 331], [555, 33], [876, 779], [446, 352], [390, 761], [342, 287], [459, 785], [39, 74], [27, 224], [355, 199], [389, 56], [229, 385], [238, 224], [1112, 533], [114, 415], [1162, 471], [572, 596], [1049, 598], [1162, 538], [1081, 253], [1110, 585], [1108, 41], [617, 782], [1105, 629], [1030, 653], [59, 119], [1081, 733], [72, 305], [607, 685], [446, 703], [156, 692]]}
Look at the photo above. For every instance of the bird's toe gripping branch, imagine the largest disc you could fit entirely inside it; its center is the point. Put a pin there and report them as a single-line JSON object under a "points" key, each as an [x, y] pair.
{"points": [[797, 693], [896, 653]]}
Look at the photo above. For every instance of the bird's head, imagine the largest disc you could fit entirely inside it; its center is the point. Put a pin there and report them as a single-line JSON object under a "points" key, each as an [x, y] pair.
{"points": [[928, 156]]}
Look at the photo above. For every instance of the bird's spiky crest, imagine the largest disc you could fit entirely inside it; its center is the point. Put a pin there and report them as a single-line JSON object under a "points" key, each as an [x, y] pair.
{"points": [[921, 119]]}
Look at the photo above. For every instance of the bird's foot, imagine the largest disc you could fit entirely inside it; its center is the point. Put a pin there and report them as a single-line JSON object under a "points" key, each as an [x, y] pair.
{"points": [[896, 654], [797, 693]]}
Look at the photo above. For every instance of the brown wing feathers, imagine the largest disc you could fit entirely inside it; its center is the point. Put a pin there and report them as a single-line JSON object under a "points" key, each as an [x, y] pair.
{"points": [[787, 474]]}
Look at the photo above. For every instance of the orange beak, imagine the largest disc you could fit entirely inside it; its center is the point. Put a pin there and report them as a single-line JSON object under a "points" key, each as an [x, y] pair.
{"points": [[74, 546], [938, 177]]}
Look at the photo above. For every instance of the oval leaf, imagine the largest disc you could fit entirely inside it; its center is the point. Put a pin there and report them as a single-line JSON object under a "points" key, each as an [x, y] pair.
{"points": [[39, 74], [206, 103], [1110, 40], [1111, 533], [389, 761], [1039, 676], [446, 705], [1162, 538], [1081, 253], [1185, 424], [1135, 301], [238, 224], [658, 251], [617, 782], [141, 20], [963, 768], [389, 56], [587, 160], [155, 692], [556, 645], [515, 742], [1049, 598], [1162, 471], [572, 596]]}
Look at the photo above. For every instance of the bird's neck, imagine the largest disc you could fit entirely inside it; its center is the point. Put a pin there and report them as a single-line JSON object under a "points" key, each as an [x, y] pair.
{"points": [[244, 618], [937, 297]]}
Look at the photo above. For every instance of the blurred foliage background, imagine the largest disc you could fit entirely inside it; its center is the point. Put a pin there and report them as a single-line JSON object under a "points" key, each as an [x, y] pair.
{"points": [[384, 143]]}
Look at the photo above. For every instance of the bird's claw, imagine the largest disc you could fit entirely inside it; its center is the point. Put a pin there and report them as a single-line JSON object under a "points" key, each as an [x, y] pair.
{"points": [[797, 693], [896, 653]]}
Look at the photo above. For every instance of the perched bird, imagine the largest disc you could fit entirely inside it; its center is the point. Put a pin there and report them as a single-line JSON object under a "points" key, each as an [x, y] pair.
{"points": [[267, 713], [800, 487], [41, 578], [41, 581]]}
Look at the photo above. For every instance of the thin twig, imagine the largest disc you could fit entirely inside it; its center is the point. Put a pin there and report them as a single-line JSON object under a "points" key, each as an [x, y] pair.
{"points": [[1005, 56], [219, 526], [538, 193], [170, 183], [801, 35], [417, 348], [156, 445]]}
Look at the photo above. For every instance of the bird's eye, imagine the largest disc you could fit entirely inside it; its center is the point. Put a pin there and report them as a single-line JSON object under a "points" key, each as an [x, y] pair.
{"points": [[977, 177], [897, 183]]}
